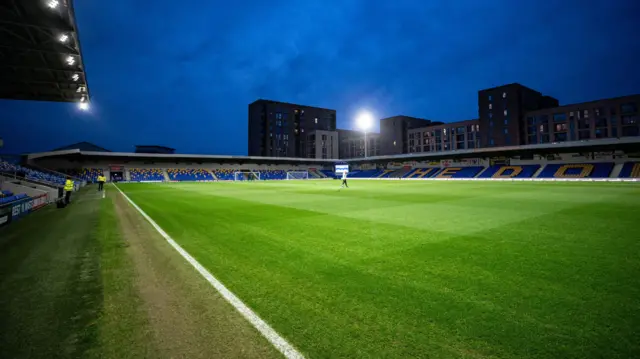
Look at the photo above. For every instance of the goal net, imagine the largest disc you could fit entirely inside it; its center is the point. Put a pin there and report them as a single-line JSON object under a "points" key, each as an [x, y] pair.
{"points": [[246, 176], [297, 175]]}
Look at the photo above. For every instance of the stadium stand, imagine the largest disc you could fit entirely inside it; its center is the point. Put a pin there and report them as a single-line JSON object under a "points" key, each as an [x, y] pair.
{"points": [[189, 174], [224, 174], [273, 174], [503, 171], [630, 170], [30, 173], [577, 170], [459, 172], [88, 174], [329, 173], [366, 174], [8, 197], [422, 172], [146, 174]]}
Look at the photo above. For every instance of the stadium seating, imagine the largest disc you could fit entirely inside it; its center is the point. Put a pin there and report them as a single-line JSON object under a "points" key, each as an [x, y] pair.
{"points": [[422, 172], [630, 170], [31, 173], [459, 172], [329, 173], [146, 174], [224, 174], [8, 197], [183, 174], [88, 174], [366, 174], [578, 170], [273, 174], [503, 171]]}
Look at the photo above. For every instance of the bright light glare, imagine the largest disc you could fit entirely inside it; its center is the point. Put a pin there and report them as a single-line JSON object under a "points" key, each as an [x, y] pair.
{"points": [[63, 38], [364, 121], [52, 4], [83, 106], [75, 77], [70, 60]]}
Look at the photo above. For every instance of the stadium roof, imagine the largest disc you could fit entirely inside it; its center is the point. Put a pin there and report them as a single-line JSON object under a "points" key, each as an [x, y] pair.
{"points": [[609, 144], [40, 57]]}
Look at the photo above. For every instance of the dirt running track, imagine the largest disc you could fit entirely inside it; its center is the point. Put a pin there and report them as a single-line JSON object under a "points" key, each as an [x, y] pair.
{"points": [[187, 317]]}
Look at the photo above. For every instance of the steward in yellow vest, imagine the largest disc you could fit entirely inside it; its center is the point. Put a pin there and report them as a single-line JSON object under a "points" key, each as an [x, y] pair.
{"points": [[101, 181], [68, 188]]}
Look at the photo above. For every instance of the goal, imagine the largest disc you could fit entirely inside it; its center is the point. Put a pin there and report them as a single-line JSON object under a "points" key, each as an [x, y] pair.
{"points": [[297, 175], [246, 176]]}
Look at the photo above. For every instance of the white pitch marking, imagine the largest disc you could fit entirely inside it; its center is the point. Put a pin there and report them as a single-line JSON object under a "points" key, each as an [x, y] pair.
{"points": [[265, 329]]}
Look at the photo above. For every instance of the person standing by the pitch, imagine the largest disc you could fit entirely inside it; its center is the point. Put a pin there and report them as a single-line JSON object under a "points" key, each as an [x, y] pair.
{"points": [[344, 180], [101, 180], [68, 188]]}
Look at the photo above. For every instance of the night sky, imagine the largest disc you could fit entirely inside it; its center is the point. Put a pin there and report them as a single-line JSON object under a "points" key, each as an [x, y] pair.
{"points": [[181, 73]]}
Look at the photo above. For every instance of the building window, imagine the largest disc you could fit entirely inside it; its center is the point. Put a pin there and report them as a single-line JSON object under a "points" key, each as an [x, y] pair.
{"points": [[506, 130], [316, 120], [506, 121], [561, 127], [490, 115], [504, 95], [490, 123], [628, 107], [491, 141], [561, 137], [559, 117], [505, 112], [586, 113], [490, 106], [629, 120], [394, 143], [490, 98]]}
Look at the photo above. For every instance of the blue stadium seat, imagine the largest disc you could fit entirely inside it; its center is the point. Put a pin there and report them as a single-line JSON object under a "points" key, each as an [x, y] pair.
{"points": [[146, 174], [224, 174], [459, 172], [578, 170], [366, 174], [273, 174], [184, 174], [12, 198], [504, 171], [630, 170]]}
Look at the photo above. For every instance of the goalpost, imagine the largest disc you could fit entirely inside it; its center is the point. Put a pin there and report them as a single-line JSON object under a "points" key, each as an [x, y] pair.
{"points": [[297, 175], [246, 176]]}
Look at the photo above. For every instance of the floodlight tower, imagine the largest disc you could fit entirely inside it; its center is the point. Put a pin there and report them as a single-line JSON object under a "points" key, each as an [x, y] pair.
{"points": [[364, 121]]}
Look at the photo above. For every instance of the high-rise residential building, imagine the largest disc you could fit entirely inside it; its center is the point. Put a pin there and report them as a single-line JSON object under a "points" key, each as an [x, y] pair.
{"points": [[352, 144], [322, 144], [615, 117], [394, 133], [279, 129], [461, 135], [501, 113]]}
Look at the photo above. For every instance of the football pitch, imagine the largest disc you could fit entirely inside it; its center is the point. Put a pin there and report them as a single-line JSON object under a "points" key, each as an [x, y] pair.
{"points": [[421, 269]]}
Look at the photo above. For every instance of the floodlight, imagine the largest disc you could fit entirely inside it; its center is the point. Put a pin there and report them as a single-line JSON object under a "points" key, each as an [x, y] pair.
{"points": [[75, 77], [70, 60], [83, 106], [364, 121], [63, 38], [52, 4]]}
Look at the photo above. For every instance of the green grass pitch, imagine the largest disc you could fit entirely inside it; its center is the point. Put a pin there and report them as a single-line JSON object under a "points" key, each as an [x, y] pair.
{"points": [[421, 269]]}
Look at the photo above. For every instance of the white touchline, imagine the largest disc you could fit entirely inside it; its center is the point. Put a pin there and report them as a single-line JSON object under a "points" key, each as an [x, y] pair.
{"points": [[265, 329]]}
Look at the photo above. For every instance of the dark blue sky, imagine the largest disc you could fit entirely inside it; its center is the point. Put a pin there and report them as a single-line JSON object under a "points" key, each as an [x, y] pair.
{"points": [[181, 74]]}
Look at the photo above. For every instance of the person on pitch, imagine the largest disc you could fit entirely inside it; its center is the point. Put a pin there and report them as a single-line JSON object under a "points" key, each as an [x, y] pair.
{"points": [[344, 180], [101, 180]]}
